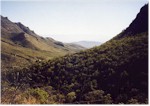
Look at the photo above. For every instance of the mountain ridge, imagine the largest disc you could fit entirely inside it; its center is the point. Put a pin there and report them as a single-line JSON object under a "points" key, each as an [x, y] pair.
{"points": [[17, 37], [138, 25]]}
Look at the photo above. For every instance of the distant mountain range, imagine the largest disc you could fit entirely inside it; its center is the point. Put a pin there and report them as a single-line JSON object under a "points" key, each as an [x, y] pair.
{"points": [[88, 44]]}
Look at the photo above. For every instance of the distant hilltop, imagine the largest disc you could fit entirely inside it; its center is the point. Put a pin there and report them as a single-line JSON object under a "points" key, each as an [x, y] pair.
{"points": [[88, 44]]}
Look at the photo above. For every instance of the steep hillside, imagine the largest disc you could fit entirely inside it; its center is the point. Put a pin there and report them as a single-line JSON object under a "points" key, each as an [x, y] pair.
{"points": [[22, 35], [21, 45], [115, 72], [139, 25]]}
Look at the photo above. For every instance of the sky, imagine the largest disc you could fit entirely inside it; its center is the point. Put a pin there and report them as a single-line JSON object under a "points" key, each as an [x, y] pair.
{"points": [[73, 20]]}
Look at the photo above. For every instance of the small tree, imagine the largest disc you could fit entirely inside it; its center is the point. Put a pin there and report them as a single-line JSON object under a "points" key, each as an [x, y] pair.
{"points": [[94, 95], [107, 99], [71, 97]]}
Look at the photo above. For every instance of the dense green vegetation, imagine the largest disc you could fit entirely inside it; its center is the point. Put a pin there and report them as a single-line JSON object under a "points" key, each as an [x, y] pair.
{"points": [[115, 72]]}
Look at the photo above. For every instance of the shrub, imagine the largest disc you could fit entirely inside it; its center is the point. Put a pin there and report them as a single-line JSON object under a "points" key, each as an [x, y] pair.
{"points": [[71, 97], [39, 94]]}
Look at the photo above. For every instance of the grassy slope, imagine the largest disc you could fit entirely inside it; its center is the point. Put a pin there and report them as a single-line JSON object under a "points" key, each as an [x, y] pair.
{"points": [[118, 67], [14, 55], [26, 49]]}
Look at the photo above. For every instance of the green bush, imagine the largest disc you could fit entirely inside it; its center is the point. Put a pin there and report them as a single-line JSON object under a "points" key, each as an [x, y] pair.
{"points": [[71, 97], [39, 94]]}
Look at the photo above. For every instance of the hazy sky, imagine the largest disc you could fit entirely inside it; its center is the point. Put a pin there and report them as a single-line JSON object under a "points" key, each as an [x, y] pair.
{"points": [[74, 20]]}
